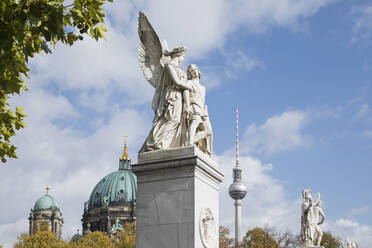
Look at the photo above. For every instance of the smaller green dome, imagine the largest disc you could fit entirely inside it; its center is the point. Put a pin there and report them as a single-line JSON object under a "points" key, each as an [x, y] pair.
{"points": [[46, 202], [76, 237]]}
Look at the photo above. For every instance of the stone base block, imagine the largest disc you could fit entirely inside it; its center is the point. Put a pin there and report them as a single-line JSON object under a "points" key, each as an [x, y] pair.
{"points": [[177, 199]]}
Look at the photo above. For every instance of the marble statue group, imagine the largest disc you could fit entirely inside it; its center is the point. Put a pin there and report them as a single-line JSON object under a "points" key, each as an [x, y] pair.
{"points": [[311, 219], [181, 116]]}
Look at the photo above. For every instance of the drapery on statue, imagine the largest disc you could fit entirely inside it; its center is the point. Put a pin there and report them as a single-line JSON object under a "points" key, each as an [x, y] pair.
{"points": [[311, 234], [181, 117]]}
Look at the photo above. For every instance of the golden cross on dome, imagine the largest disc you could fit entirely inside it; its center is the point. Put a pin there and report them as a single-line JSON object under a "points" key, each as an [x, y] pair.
{"points": [[47, 189], [125, 152]]}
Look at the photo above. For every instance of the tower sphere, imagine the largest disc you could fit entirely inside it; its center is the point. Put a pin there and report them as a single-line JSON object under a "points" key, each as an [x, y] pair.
{"points": [[237, 190]]}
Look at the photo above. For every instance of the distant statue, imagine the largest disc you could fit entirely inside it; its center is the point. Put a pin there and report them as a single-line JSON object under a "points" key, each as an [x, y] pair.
{"points": [[105, 201], [311, 234], [116, 229], [161, 67], [349, 244]]}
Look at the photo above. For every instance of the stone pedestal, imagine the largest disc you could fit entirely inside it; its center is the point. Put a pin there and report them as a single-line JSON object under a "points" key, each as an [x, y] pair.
{"points": [[177, 199]]}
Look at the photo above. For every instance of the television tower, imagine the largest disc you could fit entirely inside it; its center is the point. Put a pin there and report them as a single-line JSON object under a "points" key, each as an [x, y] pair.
{"points": [[237, 189]]}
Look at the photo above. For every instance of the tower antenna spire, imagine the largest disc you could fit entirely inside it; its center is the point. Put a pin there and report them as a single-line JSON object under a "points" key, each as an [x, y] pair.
{"points": [[237, 137]]}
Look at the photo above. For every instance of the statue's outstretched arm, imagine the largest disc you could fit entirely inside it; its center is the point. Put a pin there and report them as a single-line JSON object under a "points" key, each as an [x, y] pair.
{"points": [[318, 199]]}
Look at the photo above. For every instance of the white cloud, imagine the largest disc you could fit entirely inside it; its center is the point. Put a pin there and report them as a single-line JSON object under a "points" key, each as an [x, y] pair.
{"points": [[359, 211], [95, 67], [240, 61], [7, 231], [263, 15], [346, 228], [209, 78], [367, 134], [362, 112], [277, 134], [362, 26]]}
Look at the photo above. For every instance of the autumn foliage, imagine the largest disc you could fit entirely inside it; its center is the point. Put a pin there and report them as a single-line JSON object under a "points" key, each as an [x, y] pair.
{"points": [[46, 239], [257, 237], [42, 239]]}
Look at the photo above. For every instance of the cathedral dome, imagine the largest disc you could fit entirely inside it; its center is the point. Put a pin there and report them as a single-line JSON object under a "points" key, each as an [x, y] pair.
{"points": [[46, 202], [117, 188], [76, 237]]}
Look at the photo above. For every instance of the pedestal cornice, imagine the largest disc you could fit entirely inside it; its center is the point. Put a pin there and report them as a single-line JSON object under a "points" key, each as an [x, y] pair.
{"points": [[175, 158]]}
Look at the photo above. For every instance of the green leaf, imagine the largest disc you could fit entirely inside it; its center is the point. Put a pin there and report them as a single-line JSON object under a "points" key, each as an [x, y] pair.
{"points": [[102, 30]]}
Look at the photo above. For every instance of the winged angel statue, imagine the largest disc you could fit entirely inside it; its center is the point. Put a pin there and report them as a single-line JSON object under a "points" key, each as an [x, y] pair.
{"points": [[181, 117]]}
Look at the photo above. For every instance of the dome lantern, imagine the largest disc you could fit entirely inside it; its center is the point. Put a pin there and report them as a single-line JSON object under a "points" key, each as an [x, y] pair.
{"points": [[124, 161]]}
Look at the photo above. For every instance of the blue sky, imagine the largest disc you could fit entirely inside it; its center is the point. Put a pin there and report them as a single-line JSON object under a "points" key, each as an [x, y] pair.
{"points": [[299, 70]]}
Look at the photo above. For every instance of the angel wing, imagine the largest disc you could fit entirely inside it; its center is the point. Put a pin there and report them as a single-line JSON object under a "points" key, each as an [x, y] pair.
{"points": [[150, 51]]}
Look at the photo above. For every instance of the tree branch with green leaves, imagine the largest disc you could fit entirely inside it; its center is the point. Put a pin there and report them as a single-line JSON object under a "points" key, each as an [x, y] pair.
{"points": [[30, 27]]}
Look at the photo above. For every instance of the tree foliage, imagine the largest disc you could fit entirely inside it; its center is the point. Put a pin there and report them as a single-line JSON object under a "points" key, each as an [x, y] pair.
{"points": [[224, 238], [268, 237], [329, 241], [93, 240], [29, 27], [255, 238], [258, 238], [127, 237], [47, 239], [42, 239]]}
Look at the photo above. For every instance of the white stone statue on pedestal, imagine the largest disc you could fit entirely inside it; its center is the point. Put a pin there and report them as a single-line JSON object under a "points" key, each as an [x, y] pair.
{"points": [[181, 117], [177, 179], [311, 233], [349, 244]]}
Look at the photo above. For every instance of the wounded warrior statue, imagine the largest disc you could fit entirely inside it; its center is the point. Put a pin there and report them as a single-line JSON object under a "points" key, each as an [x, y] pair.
{"points": [[181, 116], [311, 234]]}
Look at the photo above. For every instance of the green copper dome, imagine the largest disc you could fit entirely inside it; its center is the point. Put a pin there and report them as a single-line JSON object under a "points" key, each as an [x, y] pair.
{"points": [[46, 202], [117, 188], [76, 237]]}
